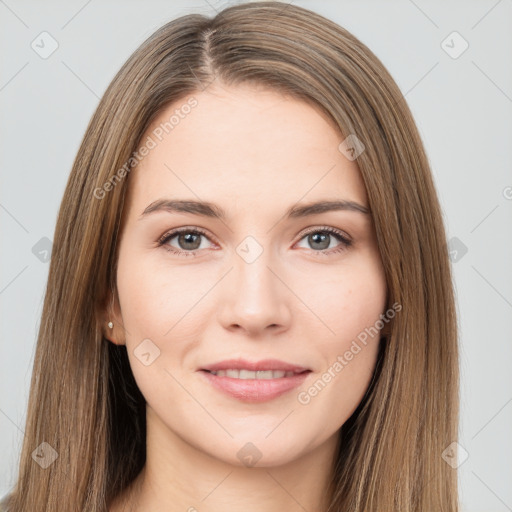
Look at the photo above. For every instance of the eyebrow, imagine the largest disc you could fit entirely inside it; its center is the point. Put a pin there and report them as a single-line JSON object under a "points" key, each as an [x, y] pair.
{"points": [[206, 209]]}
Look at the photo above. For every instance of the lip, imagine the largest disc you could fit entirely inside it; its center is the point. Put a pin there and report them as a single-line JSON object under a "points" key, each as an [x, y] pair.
{"points": [[265, 364], [255, 390]]}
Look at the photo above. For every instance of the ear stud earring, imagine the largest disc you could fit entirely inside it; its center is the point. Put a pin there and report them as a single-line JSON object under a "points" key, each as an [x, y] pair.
{"points": [[110, 324]]}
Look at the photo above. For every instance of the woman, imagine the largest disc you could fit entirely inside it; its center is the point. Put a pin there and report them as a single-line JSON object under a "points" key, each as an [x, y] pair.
{"points": [[249, 302]]}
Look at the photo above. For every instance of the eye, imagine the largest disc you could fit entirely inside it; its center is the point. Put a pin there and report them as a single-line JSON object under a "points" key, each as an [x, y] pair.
{"points": [[187, 238], [321, 238]]}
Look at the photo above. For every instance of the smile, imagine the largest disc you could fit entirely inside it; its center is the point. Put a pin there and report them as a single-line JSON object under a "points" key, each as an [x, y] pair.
{"points": [[249, 374], [254, 386]]}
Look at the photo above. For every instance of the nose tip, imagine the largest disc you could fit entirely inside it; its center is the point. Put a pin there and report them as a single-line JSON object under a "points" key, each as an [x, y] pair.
{"points": [[254, 299]]}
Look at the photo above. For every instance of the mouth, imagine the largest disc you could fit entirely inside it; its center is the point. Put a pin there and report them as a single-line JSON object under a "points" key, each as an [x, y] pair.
{"points": [[254, 381], [233, 373]]}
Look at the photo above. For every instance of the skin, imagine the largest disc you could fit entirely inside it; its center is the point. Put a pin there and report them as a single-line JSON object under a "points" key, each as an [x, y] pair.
{"points": [[254, 153]]}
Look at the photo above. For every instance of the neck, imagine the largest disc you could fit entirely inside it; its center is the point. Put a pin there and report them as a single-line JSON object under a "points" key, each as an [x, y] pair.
{"points": [[179, 477]]}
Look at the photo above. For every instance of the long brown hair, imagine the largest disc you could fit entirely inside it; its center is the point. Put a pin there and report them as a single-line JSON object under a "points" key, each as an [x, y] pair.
{"points": [[84, 401]]}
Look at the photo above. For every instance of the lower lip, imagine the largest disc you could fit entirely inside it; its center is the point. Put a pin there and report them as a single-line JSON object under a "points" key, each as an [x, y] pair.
{"points": [[255, 390]]}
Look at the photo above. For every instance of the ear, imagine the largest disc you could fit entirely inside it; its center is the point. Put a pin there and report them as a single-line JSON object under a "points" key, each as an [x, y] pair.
{"points": [[111, 312], [386, 330]]}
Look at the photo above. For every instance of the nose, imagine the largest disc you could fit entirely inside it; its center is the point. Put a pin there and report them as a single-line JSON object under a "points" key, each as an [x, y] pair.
{"points": [[254, 297]]}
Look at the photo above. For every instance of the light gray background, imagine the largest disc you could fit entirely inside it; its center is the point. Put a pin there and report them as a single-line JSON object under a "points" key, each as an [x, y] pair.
{"points": [[463, 108]]}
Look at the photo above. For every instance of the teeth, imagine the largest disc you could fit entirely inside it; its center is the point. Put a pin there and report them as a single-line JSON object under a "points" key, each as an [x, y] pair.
{"points": [[269, 374], [248, 374], [244, 374]]}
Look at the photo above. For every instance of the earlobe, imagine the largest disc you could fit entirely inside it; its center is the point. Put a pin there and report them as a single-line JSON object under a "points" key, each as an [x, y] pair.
{"points": [[385, 332], [111, 326], [114, 333]]}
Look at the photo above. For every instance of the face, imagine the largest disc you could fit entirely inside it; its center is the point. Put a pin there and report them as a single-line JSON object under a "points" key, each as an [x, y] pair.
{"points": [[254, 289]]}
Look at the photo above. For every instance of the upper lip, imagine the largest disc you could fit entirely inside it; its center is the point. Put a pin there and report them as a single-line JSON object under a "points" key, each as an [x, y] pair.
{"points": [[265, 364]]}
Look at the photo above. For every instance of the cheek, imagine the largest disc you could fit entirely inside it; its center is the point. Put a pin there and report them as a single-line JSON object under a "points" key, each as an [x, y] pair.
{"points": [[163, 317], [154, 306], [155, 297], [347, 300], [350, 308], [139, 294]]}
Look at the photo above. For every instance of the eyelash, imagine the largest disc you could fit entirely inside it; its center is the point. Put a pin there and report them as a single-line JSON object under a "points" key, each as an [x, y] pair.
{"points": [[344, 245]]}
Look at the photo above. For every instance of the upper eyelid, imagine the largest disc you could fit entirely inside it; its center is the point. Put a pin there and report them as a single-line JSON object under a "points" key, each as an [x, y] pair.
{"points": [[176, 231]]}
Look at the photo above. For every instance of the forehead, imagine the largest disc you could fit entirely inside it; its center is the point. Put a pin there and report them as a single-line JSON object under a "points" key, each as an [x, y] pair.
{"points": [[243, 145]]}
